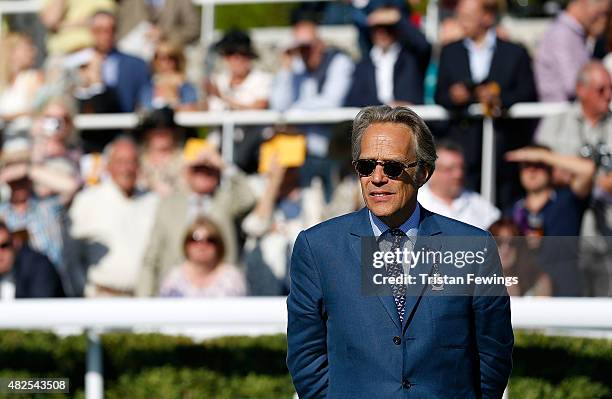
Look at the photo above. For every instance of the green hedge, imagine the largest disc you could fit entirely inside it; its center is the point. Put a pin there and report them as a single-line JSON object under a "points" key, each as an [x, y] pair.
{"points": [[158, 366]]}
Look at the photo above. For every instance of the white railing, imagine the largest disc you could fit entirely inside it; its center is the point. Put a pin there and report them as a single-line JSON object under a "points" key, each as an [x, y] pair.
{"points": [[230, 119], [244, 316]]}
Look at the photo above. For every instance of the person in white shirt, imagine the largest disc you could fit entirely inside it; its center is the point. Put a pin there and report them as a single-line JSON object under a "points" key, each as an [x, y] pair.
{"points": [[109, 227], [446, 194]]}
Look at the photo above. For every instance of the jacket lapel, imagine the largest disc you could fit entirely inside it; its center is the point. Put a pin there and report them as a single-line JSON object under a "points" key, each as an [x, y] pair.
{"points": [[428, 227], [361, 229]]}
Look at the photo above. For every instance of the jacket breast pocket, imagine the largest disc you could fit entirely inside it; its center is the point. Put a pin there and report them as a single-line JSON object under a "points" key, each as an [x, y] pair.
{"points": [[452, 320]]}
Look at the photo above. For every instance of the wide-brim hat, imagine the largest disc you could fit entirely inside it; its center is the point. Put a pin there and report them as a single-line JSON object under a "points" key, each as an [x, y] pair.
{"points": [[236, 41]]}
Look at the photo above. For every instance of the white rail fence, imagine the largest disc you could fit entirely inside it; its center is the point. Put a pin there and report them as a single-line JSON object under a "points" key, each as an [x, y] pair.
{"points": [[230, 119], [245, 316]]}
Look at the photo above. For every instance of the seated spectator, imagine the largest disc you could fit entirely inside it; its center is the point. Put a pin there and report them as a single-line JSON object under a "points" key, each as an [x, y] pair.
{"points": [[284, 209], [20, 81], [25, 273], [393, 71], [563, 49], [54, 134], [445, 192], [161, 160], [67, 22], [87, 86], [518, 260], [143, 24], [312, 77], [586, 131], [239, 86], [109, 227], [41, 218], [169, 87], [203, 272], [215, 190], [483, 68], [549, 211], [123, 75]]}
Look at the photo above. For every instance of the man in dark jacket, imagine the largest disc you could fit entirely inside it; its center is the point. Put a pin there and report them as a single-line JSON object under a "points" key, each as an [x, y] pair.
{"points": [[483, 68], [394, 69], [25, 273]]}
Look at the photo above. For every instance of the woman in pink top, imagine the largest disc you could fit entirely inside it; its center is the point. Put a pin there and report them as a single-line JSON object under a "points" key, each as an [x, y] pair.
{"points": [[202, 274]]}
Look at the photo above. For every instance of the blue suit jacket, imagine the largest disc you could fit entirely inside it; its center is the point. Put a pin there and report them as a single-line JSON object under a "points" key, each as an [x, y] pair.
{"points": [[344, 344], [133, 77]]}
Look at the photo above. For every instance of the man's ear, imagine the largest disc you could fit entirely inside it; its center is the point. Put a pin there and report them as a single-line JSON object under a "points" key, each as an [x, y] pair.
{"points": [[423, 174]]}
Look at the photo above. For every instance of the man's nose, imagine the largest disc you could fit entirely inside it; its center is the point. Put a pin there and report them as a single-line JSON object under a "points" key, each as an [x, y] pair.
{"points": [[378, 176]]}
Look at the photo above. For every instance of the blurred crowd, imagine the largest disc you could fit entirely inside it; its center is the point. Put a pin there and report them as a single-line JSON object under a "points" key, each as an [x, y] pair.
{"points": [[157, 211]]}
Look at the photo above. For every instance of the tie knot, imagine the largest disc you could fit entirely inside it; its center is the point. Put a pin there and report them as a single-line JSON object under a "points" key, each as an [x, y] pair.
{"points": [[397, 233]]}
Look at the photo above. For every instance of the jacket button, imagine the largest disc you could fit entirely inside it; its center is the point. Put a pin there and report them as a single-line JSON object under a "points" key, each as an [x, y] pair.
{"points": [[397, 340], [406, 384]]}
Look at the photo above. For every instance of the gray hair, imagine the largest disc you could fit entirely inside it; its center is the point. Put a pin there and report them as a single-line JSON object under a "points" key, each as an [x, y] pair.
{"points": [[424, 147], [124, 138], [585, 74]]}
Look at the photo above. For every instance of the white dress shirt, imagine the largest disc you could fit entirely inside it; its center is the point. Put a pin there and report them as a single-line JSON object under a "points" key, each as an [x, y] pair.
{"points": [[481, 56], [469, 207], [384, 63]]}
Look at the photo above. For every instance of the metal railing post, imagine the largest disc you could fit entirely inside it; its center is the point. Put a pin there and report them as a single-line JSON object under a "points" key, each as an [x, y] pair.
{"points": [[488, 166], [207, 25], [94, 378], [227, 140]]}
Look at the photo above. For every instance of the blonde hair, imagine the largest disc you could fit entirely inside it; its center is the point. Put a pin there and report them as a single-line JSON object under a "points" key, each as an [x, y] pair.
{"points": [[7, 46]]}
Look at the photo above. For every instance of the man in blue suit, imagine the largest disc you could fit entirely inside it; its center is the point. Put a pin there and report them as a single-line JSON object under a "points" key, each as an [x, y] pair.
{"points": [[413, 342], [123, 75]]}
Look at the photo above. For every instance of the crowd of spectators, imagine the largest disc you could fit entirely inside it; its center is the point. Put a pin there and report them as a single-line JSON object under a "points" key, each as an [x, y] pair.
{"points": [[157, 211]]}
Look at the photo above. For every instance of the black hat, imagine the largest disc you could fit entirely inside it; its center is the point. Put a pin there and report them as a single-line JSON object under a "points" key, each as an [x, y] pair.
{"points": [[236, 41], [161, 118]]}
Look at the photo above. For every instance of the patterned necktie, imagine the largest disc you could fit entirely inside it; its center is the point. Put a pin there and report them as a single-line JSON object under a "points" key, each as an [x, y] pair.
{"points": [[397, 239]]}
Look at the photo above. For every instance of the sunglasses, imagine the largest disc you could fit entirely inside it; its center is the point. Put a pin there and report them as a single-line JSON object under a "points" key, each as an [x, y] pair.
{"points": [[392, 169], [205, 169], [533, 165], [197, 236]]}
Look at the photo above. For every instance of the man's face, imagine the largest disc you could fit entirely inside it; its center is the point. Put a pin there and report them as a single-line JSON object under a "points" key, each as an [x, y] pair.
{"points": [[123, 165], [239, 65], [390, 199], [7, 253], [202, 179], [596, 93], [311, 48], [103, 31], [470, 16], [594, 10], [535, 177], [382, 37], [447, 180]]}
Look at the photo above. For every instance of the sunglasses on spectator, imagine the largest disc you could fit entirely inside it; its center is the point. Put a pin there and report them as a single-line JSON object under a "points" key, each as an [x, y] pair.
{"points": [[164, 56], [601, 90], [6, 244], [392, 169], [205, 169], [200, 237], [535, 165]]}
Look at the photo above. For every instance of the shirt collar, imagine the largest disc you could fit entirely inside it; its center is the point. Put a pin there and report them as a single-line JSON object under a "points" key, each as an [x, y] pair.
{"points": [[487, 44], [377, 53], [572, 23], [410, 227]]}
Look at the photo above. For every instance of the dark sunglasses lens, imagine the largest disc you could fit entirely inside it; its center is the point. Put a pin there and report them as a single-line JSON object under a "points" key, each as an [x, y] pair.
{"points": [[393, 168], [365, 167]]}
